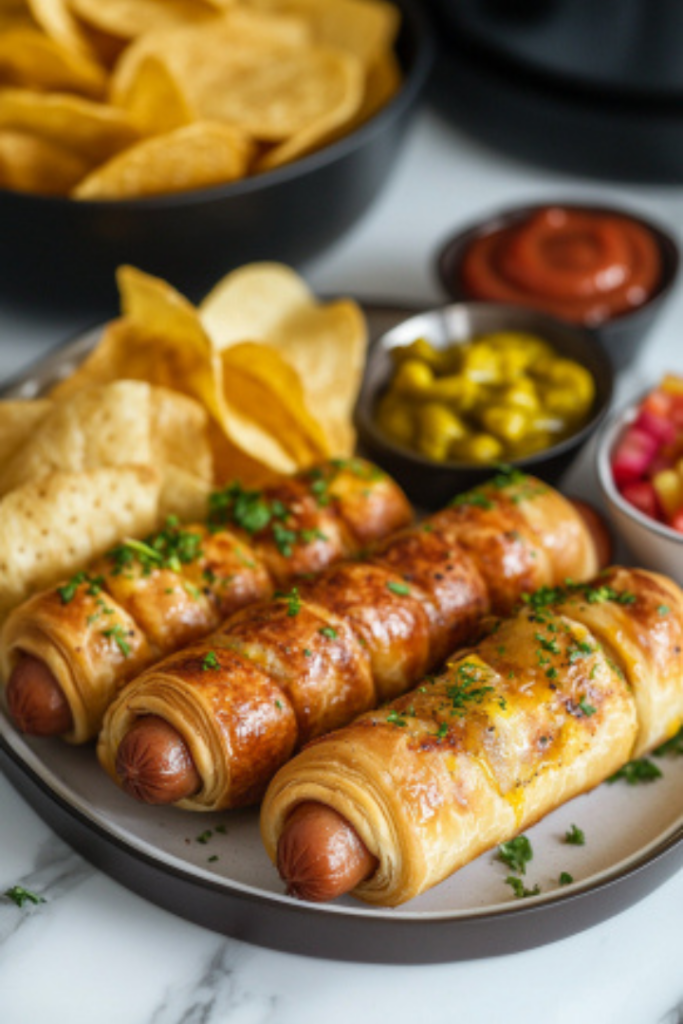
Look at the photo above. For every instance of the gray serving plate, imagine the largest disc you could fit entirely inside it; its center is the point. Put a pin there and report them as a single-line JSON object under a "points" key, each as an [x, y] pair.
{"points": [[211, 868]]}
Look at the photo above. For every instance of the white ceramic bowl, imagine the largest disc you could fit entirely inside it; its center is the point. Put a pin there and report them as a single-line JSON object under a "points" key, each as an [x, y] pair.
{"points": [[652, 545]]}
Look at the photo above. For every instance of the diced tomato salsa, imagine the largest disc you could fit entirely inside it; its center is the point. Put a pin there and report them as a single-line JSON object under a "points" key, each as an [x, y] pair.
{"points": [[647, 461]]}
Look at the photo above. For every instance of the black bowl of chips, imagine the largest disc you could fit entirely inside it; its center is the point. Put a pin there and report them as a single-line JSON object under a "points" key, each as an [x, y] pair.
{"points": [[137, 166]]}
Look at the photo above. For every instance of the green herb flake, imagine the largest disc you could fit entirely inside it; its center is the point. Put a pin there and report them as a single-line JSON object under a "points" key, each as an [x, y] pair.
{"points": [[204, 837], [516, 854], [636, 772], [212, 859], [587, 708], [307, 653], [575, 836], [442, 731], [674, 746], [475, 499], [21, 896], [328, 632], [663, 609], [519, 889], [118, 635], [396, 718], [566, 878], [402, 589], [293, 600], [210, 661]]}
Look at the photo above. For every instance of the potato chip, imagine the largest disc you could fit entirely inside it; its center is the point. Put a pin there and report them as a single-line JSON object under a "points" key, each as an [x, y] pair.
{"points": [[127, 19], [198, 155], [37, 165], [276, 99], [367, 30], [51, 528], [122, 423], [32, 60], [161, 339], [155, 100], [201, 56], [325, 343], [92, 130], [55, 17], [17, 421]]}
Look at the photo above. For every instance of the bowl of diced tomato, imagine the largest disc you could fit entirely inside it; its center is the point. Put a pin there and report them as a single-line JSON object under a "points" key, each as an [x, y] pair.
{"points": [[640, 469]]}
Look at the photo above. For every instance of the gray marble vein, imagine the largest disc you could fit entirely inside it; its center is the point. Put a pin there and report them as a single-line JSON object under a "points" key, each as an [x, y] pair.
{"points": [[217, 994]]}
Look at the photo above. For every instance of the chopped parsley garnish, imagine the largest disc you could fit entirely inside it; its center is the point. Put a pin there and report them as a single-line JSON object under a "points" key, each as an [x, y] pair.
{"points": [[210, 661], [171, 548], [308, 536], [575, 836], [516, 854], [566, 878], [284, 539], [663, 609], [67, 591], [636, 772], [307, 653], [672, 746], [519, 889], [398, 588], [442, 731], [247, 509], [465, 691], [329, 632], [21, 896], [118, 635], [396, 718], [587, 708], [204, 837], [293, 599], [475, 498], [507, 476], [548, 645]]}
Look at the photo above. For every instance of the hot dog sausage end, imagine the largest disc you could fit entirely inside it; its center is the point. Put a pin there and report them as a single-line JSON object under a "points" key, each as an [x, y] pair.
{"points": [[154, 764], [36, 701], [320, 856]]}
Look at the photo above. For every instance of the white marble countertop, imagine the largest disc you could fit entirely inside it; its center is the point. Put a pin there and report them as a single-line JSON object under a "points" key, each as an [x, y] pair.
{"points": [[96, 952]]}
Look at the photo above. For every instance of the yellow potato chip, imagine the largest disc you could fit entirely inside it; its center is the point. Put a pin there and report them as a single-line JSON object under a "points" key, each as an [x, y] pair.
{"points": [[31, 164], [155, 100], [18, 419], [121, 423], [92, 130], [276, 99], [201, 56], [32, 60], [365, 29], [198, 155], [324, 342], [127, 19], [56, 19]]}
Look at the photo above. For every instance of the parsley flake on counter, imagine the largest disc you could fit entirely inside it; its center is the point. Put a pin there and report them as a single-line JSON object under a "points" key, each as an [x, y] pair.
{"points": [[566, 878], [402, 589], [21, 896], [516, 854], [210, 661], [204, 837], [635, 772], [575, 836], [519, 889]]}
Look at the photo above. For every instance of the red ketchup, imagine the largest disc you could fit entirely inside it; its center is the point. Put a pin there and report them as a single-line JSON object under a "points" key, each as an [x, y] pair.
{"points": [[580, 265]]}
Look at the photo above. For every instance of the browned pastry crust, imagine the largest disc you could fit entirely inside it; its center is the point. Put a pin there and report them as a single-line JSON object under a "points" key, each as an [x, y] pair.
{"points": [[547, 706], [127, 611], [360, 633]]}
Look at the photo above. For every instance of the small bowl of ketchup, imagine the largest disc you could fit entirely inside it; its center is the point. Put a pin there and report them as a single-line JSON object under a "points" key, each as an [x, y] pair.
{"points": [[601, 268]]}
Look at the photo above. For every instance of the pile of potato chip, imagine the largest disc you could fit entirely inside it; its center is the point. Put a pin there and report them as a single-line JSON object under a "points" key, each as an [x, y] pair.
{"points": [[119, 99], [259, 379]]}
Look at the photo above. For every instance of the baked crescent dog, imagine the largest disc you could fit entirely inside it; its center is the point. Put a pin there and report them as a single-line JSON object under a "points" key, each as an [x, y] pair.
{"points": [[551, 703], [208, 727], [66, 651]]}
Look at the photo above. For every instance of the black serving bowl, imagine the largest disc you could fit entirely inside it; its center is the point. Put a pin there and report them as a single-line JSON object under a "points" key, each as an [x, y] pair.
{"points": [[622, 335], [432, 484], [56, 251]]}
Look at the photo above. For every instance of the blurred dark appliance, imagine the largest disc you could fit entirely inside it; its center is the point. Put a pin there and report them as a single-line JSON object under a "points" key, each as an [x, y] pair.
{"points": [[588, 86]]}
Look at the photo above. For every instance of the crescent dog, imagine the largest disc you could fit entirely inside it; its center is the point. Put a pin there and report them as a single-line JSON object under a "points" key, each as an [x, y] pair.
{"points": [[547, 706], [208, 727], [66, 651]]}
